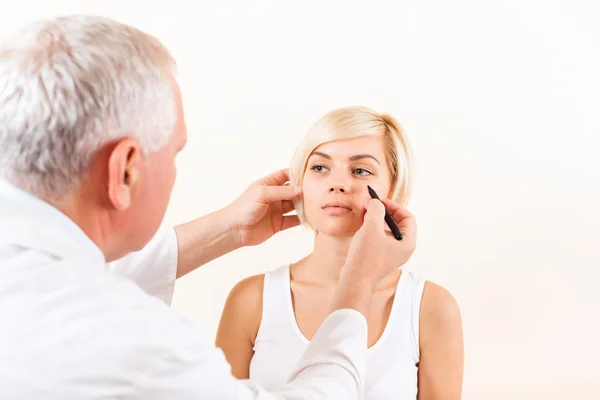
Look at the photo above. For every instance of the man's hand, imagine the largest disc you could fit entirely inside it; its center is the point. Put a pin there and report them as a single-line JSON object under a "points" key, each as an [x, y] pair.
{"points": [[252, 218], [373, 254], [259, 212]]}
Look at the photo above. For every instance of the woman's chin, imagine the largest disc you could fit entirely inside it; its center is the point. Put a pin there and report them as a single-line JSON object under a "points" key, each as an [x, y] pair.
{"points": [[338, 230]]}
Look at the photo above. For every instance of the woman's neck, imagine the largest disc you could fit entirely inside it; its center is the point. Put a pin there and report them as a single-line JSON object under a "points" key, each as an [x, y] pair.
{"points": [[327, 259], [324, 265]]}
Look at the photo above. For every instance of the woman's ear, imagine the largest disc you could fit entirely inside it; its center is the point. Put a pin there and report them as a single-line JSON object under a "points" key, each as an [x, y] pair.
{"points": [[124, 166]]}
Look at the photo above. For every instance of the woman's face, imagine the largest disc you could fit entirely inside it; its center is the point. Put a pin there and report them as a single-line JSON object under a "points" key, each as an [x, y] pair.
{"points": [[335, 183]]}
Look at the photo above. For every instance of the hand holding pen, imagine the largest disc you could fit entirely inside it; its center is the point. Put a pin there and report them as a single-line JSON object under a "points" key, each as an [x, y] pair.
{"points": [[388, 218], [374, 252]]}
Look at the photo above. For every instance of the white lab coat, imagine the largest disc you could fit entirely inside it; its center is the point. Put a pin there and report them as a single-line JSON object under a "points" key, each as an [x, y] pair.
{"points": [[73, 327]]}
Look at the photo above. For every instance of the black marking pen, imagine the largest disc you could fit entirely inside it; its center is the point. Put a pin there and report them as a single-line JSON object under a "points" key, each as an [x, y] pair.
{"points": [[388, 218]]}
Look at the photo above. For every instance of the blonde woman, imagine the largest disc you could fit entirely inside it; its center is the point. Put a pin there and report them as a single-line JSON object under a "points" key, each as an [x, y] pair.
{"points": [[415, 331]]}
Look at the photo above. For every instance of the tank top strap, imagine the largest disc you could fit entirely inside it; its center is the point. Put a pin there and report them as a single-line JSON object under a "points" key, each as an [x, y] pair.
{"points": [[274, 311], [406, 309]]}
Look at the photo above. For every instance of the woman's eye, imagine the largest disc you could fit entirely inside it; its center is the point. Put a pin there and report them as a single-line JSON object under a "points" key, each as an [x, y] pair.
{"points": [[361, 171], [318, 168]]}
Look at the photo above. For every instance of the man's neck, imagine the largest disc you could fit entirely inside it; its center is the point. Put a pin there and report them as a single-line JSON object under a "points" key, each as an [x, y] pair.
{"points": [[88, 218]]}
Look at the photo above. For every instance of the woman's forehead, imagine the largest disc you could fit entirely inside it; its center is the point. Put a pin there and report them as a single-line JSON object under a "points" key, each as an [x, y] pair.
{"points": [[373, 145]]}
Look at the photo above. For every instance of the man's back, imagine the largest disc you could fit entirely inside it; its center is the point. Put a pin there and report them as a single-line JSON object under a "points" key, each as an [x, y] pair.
{"points": [[69, 328], [55, 317]]}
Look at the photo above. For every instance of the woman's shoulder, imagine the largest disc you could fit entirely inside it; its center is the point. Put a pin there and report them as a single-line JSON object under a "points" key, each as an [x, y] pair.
{"points": [[247, 294], [440, 311], [242, 309], [438, 300], [433, 296]]}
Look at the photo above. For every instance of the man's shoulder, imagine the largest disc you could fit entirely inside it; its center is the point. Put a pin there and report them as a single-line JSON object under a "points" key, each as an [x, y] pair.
{"points": [[92, 327], [138, 317], [97, 305]]}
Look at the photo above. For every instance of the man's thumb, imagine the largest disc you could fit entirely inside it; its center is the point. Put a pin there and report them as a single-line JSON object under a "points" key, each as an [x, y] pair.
{"points": [[278, 193], [375, 213]]}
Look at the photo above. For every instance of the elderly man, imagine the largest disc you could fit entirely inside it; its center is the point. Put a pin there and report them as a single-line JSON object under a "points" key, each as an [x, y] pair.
{"points": [[90, 124]]}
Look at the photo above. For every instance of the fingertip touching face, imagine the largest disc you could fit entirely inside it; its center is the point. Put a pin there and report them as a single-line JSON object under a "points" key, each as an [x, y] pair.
{"points": [[335, 183], [147, 183]]}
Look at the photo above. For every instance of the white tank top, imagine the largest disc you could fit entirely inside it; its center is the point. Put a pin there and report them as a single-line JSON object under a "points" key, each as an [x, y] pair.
{"points": [[391, 361]]}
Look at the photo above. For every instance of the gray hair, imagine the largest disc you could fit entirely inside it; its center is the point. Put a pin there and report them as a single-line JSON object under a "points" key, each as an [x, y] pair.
{"points": [[71, 85]]}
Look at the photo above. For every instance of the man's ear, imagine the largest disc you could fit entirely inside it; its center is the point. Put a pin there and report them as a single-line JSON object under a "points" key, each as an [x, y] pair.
{"points": [[124, 166]]}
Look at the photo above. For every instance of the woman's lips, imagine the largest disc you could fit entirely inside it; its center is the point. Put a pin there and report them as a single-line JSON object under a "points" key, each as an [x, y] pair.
{"points": [[337, 208]]}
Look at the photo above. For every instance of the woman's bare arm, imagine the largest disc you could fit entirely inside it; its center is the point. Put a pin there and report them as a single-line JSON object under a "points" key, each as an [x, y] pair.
{"points": [[239, 324], [441, 345]]}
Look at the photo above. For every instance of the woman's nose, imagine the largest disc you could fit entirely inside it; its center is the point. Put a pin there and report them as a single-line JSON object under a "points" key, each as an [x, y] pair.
{"points": [[340, 184], [337, 188]]}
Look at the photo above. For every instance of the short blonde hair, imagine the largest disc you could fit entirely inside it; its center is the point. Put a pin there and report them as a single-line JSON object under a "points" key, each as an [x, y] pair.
{"points": [[351, 122]]}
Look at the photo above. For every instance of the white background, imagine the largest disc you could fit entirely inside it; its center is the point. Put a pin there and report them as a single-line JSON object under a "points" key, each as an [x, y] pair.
{"points": [[500, 101]]}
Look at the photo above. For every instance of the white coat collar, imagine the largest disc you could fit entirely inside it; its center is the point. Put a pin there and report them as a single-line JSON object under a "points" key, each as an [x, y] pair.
{"points": [[32, 223]]}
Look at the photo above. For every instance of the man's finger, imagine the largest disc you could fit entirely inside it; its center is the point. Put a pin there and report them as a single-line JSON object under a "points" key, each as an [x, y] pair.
{"points": [[408, 228], [375, 213], [276, 178], [397, 211], [270, 194], [288, 205], [405, 219], [289, 221]]}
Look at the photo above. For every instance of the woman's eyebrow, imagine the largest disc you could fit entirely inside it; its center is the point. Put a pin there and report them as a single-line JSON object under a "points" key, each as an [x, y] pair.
{"points": [[320, 154], [360, 156], [353, 158]]}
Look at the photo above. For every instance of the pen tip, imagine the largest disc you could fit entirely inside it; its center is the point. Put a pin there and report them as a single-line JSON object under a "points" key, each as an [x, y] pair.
{"points": [[371, 192]]}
